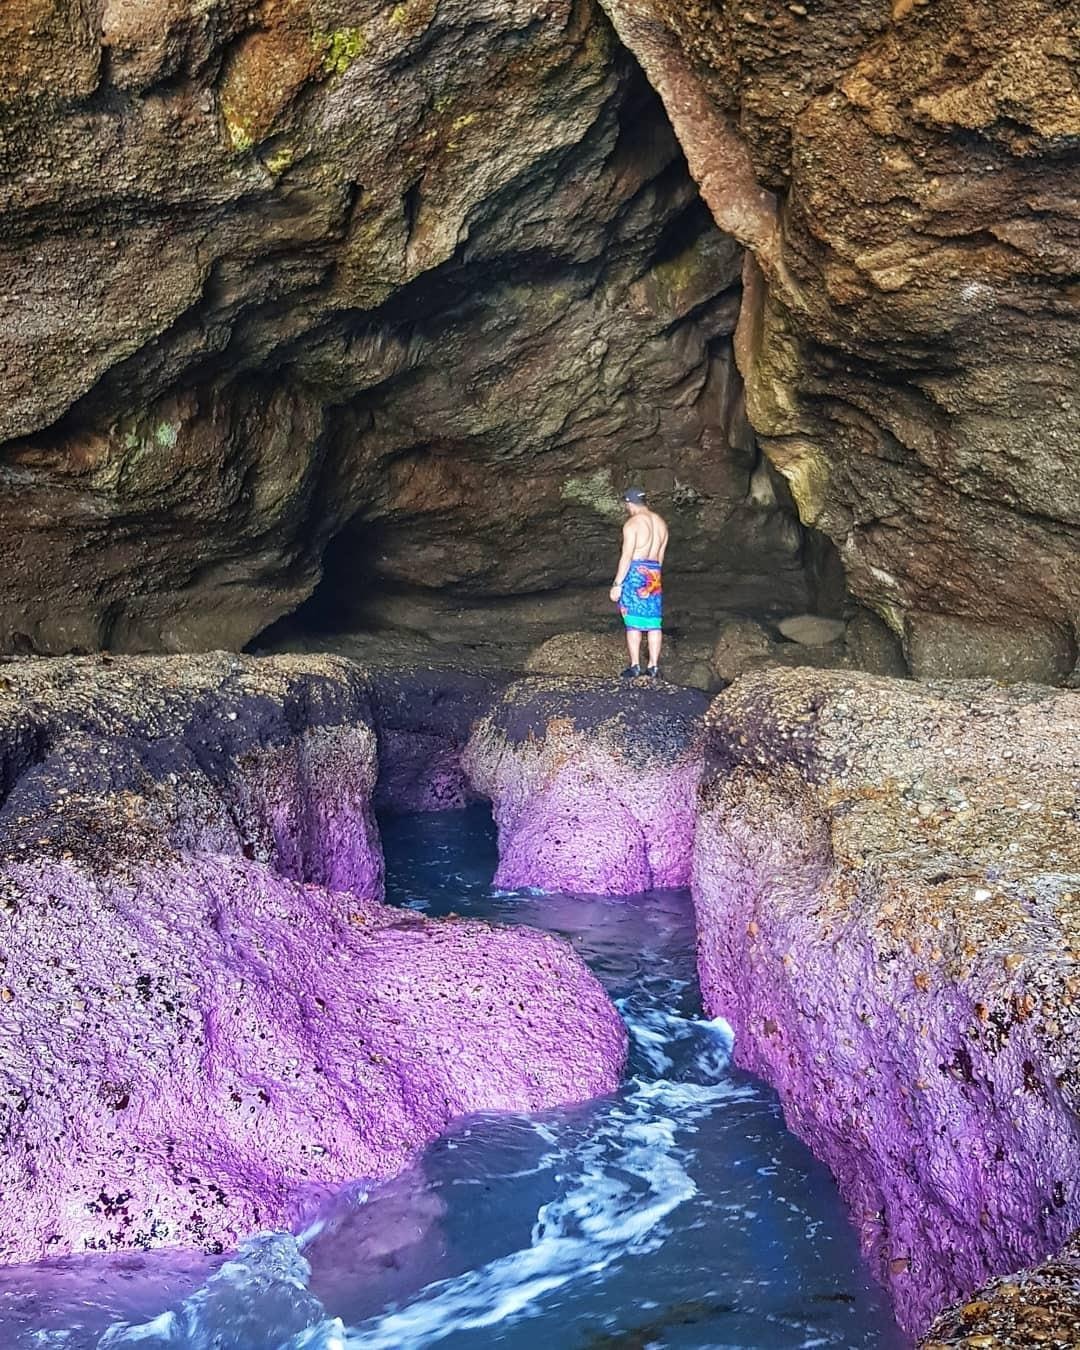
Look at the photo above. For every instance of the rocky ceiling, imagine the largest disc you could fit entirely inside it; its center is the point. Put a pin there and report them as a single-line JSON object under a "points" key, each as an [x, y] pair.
{"points": [[428, 280]]}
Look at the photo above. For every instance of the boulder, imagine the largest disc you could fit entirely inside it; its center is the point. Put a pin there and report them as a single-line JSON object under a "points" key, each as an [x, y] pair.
{"points": [[687, 662], [831, 656], [596, 654], [744, 644], [873, 646], [206, 1012], [602, 655], [939, 647], [593, 783], [887, 887], [741, 644], [812, 630]]}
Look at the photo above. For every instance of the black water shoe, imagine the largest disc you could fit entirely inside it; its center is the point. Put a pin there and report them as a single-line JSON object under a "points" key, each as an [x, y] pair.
{"points": [[653, 672], [631, 672]]}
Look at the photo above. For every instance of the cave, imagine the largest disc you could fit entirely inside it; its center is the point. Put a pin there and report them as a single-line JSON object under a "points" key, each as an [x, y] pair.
{"points": [[439, 470], [345, 311]]}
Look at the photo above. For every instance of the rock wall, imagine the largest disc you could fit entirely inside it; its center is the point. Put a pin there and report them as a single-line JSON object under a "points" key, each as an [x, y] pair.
{"points": [[887, 886], [424, 719], [306, 279], [904, 178], [429, 281], [206, 1013]]}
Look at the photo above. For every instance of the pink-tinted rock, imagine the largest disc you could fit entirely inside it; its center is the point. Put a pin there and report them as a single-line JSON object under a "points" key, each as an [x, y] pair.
{"points": [[198, 1025], [887, 885], [592, 783]]}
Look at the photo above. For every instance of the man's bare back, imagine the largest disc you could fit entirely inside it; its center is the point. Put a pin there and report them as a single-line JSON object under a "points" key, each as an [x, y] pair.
{"points": [[648, 535]]}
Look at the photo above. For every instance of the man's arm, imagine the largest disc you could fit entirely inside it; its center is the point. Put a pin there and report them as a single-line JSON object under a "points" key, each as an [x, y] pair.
{"points": [[625, 558]]}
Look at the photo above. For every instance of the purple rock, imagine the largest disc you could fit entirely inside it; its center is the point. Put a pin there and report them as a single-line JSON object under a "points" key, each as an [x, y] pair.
{"points": [[205, 1010], [886, 881], [592, 782]]}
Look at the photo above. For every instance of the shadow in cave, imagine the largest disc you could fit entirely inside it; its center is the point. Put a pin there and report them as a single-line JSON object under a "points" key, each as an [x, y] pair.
{"points": [[346, 598], [358, 610]]}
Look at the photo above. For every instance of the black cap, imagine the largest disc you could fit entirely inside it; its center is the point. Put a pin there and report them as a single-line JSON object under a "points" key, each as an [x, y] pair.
{"points": [[635, 496]]}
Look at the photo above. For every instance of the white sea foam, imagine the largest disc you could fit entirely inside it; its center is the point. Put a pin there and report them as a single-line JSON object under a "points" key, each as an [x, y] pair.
{"points": [[258, 1298], [618, 1185], [621, 1182]]}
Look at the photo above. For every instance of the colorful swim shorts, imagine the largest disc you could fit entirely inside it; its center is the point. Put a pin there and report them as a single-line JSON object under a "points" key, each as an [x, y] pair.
{"points": [[641, 601]]}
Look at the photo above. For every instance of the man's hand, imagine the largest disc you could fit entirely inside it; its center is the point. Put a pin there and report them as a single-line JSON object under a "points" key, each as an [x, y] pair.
{"points": [[615, 594]]}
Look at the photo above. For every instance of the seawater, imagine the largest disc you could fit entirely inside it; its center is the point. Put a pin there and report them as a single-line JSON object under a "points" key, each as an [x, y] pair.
{"points": [[677, 1213]]}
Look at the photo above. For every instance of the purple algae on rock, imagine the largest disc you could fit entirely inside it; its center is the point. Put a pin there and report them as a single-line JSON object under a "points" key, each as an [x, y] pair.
{"points": [[887, 887], [205, 1009], [593, 783]]}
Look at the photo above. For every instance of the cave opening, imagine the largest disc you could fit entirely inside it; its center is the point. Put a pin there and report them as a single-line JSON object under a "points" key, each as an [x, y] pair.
{"points": [[579, 340], [373, 598], [424, 454]]}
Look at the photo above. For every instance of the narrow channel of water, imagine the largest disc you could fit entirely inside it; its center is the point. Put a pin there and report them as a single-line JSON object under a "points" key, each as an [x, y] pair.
{"points": [[676, 1214]]}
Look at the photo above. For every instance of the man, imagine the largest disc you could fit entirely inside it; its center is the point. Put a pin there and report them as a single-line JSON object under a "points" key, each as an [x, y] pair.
{"points": [[638, 589]]}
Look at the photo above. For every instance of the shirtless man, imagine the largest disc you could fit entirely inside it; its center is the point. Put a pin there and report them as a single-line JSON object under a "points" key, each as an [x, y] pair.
{"points": [[638, 590]]}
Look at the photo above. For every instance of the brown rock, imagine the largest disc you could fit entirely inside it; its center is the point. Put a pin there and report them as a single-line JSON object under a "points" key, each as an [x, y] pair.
{"points": [[605, 654], [873, 646], [430, 282], [579, 654], [1040, 1306], [946, 648], [457, 252], [909, 326], [741, 644]]}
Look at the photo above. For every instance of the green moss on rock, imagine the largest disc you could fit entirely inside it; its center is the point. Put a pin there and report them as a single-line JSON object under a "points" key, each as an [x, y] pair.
{"points": [[339, 48], [594, 490]]}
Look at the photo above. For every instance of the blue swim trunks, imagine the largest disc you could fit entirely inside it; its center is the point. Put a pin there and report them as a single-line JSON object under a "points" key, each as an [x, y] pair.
{"points": [[641, 601]]}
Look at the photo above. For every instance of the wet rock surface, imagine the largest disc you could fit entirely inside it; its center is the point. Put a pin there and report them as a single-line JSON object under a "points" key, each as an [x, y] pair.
{"points": [[423, 719], [205, 1011], [887, 884], [1040, 1306], [592, 782], [904, 179]]}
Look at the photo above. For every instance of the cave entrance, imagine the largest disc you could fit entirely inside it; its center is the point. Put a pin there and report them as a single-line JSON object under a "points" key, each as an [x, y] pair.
{"points": [[578, 342], [441, 588]]}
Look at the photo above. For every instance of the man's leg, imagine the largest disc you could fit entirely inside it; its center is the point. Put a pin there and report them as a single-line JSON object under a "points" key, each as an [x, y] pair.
{"points": [[656, 640], [633, 644]]}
